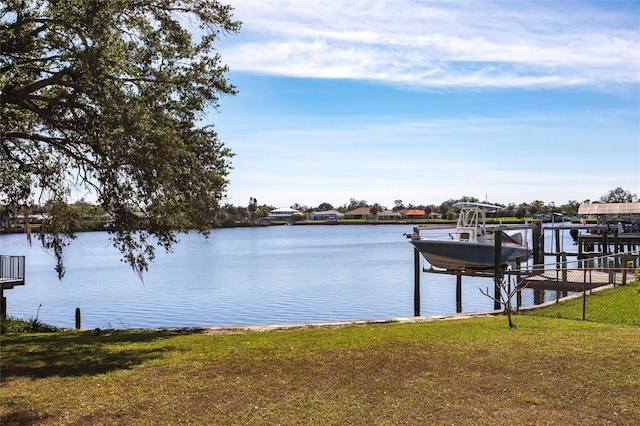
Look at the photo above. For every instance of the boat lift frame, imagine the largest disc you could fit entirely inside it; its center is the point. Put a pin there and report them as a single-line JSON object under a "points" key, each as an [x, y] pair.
{"points": [[602, 242], [496, 273]]}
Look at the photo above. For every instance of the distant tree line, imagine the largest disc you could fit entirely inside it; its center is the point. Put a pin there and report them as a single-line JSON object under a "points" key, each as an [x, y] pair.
{"points": [[446, 209], [87, 216]]}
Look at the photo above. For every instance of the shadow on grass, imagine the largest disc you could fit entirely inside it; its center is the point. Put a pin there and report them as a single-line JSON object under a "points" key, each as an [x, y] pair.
{"points": [[78, 353], [21, 416]]}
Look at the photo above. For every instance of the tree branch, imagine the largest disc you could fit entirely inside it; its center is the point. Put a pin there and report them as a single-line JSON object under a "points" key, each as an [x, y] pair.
{"points": [[62, 144], [55, 79]]}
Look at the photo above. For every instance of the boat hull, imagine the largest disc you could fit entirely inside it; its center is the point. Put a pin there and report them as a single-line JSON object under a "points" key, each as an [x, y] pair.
{"points": [[459, 255]]}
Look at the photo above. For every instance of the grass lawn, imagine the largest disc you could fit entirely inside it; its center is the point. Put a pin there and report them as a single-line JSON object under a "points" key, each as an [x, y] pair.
{"points": [[548, 370], [619, 305]]}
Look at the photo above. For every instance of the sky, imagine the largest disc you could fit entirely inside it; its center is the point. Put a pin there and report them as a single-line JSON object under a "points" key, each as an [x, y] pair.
{"points": [[427, 101]]}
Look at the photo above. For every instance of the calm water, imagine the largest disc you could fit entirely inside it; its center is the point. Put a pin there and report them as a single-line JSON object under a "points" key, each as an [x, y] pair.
{"points": [[241, 276]]}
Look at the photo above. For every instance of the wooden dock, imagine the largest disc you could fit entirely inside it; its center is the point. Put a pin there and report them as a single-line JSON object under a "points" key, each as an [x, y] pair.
{"points": [[574, 280], [598, 245], [594, 240], [12, 270], [9, 283]]}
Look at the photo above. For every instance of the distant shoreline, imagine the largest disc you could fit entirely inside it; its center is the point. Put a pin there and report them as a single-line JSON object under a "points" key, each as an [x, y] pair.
{"points": [[435, 224]]}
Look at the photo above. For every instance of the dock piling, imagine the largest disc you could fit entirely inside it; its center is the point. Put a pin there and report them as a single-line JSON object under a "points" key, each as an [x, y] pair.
{"points": [[497, 237], [416, 282], [458, 292], [3, 305], [538, 242]]}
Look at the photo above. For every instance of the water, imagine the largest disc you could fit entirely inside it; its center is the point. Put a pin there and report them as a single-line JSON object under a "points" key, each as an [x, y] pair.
{"points": [[241, 276]]}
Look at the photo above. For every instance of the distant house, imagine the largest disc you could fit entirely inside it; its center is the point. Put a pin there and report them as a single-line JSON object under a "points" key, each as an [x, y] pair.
{"points": [[327, 215], [32, 218], [389, 215], [414, 214], [435, 215], [359, 213], [282, 214]]}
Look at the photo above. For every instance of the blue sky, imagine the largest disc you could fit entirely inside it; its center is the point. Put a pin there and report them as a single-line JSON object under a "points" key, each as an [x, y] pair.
{"points": [[428, 101]]}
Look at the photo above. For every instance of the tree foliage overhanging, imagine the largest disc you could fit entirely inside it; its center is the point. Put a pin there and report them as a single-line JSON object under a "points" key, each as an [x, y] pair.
{"points": [[105, 96]]}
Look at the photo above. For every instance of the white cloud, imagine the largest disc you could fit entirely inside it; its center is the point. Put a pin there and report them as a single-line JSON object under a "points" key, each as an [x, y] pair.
{"points": [[311, 141], [432, 44]]}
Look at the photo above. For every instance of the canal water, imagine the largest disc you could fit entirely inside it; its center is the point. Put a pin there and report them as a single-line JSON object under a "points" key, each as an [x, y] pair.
{"points": [[239, 276]]}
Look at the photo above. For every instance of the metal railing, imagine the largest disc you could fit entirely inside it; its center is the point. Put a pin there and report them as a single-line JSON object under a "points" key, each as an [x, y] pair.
{"points": [[550, 283], [12, 267]]}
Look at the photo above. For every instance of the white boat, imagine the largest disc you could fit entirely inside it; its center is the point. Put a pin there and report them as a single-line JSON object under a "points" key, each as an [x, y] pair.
{"points": [[472, 245]]}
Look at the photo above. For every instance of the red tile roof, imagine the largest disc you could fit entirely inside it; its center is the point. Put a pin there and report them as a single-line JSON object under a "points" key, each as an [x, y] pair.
{"points": [[359, 211]]}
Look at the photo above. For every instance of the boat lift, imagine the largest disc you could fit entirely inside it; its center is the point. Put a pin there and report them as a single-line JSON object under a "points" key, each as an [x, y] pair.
{"points": [[497, 272], [597, 243]]}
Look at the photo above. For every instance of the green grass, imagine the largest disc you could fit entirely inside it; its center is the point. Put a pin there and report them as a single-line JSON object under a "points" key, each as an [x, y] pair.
{"points": [[618, 305], [547, 370]]}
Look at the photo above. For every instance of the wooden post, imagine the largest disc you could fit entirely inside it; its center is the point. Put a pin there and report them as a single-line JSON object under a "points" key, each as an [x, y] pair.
{"points": [[497, 237], [557, 236], [584, 299], [538, 243], [564, 273], [78, 318], [458, 292], [518, 281], [615, 247], [3, 305], [535, 235], [416, 282], [538, 296], [556, 233], [580, 256]]}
